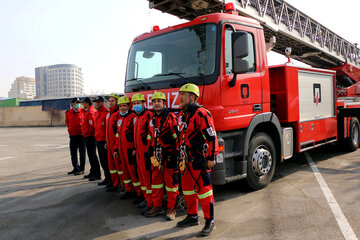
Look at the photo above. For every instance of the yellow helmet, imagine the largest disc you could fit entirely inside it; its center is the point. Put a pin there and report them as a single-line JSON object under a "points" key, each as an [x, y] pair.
{"points": [[190, 87], [114, 95], [123, 100], [137, 97], [159, 95]]}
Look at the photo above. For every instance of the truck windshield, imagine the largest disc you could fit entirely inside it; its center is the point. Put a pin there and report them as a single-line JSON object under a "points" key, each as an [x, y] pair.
{"points": [[171, 59]]}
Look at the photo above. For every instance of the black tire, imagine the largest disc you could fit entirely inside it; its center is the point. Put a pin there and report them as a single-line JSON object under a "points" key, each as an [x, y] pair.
{"points": [[261, 150], [352, 142]]}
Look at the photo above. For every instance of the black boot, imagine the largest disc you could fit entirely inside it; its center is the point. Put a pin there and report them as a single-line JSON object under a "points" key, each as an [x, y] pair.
{"points": [[88, 176], [142, 204], [112, 189], [138, 199], [103, 183], [145, 210], [208, 228], [190, 220], [72, 172], [127, 195]]}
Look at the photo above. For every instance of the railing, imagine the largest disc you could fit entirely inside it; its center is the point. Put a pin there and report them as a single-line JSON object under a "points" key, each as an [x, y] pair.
{"points": [[310, 41]]}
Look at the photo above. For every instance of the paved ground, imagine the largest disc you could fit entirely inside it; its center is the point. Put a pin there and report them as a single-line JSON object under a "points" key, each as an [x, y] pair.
{"points": [[38, 200]]}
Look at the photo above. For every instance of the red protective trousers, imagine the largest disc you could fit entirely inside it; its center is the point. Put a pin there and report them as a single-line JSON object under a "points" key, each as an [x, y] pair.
{"points": [[141, 130], [171, 179], [196, 185], [115, 167], [125, 146]]}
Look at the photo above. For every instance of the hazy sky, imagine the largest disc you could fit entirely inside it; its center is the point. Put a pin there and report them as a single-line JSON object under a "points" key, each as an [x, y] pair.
{"points": [[96, 35]]}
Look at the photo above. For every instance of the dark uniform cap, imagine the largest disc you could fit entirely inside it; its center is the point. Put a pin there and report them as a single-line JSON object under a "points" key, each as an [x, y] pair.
{"points": [[75, 100], [87, 100], [99, 99]]}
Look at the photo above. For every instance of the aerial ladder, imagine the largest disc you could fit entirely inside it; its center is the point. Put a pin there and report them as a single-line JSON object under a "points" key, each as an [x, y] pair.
{"points": [[310, 42]]}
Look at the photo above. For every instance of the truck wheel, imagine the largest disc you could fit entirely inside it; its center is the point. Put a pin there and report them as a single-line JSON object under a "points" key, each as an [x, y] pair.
{"points": [[261, 161], [352, 142]]}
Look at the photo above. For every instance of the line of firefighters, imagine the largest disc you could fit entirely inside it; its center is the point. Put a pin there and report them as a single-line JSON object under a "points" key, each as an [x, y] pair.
{"points": [[149, 152]]}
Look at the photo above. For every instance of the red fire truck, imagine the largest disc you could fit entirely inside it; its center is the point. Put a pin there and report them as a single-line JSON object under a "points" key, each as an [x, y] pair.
{"points": [[262, 114]]}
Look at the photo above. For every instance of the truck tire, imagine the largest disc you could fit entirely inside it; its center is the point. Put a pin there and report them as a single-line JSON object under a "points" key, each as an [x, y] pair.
{"points": [[352, 142], [261, 161]]}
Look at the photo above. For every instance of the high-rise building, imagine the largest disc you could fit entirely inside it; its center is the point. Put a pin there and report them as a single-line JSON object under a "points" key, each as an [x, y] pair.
{"points": [[23, 87], [61, 80]]}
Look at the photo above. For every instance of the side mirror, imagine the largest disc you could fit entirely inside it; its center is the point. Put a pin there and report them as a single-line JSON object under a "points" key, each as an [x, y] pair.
{"points": [[240, 50]]}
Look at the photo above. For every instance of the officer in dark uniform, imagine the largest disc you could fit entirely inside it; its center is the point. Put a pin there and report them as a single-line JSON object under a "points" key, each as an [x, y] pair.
{"points": [[73, 118]]}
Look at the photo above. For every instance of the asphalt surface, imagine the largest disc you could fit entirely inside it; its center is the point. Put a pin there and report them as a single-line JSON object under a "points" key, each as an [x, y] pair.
{"points": [[38, 200]]}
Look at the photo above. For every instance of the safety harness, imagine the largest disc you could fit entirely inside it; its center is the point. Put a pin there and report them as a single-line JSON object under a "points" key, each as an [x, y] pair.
{"points": [[156, 158], [184, 159]]}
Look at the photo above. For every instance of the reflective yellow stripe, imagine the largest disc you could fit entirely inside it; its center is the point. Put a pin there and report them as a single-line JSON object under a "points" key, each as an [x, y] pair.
{"points": [[117, 135], [113, 171], [143, 188], [120, 172], [204, 137], [172, 189], [136, 184], [174, 135], [157, 186], [205, 195], [148, 137], [189, 192], [148, 191], [127, 181]]}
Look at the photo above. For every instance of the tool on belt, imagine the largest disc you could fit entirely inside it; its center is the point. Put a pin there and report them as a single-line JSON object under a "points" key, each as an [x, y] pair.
{"points": [[156, 158]]}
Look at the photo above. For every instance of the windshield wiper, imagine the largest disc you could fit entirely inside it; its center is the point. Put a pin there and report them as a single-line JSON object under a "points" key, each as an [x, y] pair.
{"points": [[179, 74], [144, 86]]}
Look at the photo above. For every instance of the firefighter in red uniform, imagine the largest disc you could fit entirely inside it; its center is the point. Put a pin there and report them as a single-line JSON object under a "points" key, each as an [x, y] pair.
{"points": [[198, 148], [124, 150], [162, 149], [111, 129], [100, 135], [141, 131], [73, 123], [88, 130]]}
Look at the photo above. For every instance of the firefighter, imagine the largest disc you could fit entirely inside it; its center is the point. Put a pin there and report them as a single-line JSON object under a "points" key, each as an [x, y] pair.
{"points": [[162, 149], [124, 150], [141, 131], [88, 130], [111, 130], [198, 148], [100, 135], [73, 123]]}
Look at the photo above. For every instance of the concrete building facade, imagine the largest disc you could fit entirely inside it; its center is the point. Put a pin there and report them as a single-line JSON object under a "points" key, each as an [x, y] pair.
{"points": [[61, 80], [23, 87]]}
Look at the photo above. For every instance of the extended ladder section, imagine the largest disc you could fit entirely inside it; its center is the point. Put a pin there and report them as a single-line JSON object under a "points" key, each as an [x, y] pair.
{"points": [[311, 42]]}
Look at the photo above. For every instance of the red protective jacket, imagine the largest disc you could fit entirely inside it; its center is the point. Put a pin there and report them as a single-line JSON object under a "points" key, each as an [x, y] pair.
{"points": [[111, 127], [73, 120], [88, 123], [166, 123], [100, 123], [125, 133], [200, 130], [141, 128]]}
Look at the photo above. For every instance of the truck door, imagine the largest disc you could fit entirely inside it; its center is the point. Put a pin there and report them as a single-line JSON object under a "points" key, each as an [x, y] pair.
{"points": [[244, 100]]}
